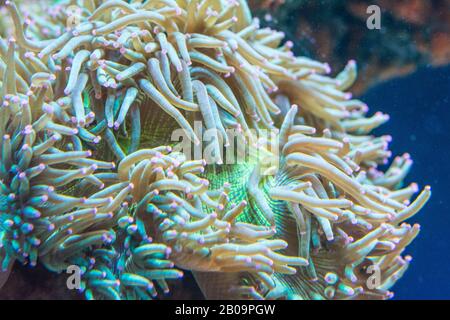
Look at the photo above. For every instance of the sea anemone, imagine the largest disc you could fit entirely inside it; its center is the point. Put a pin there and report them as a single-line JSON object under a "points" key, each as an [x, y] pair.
{"points": [[92, 177]]}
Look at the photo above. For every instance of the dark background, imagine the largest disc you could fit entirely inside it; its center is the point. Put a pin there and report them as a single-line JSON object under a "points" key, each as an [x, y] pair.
{"points": [[419, 106]]}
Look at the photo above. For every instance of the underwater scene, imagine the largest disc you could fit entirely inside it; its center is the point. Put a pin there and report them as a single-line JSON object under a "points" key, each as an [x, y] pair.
{"points": [[224, 149]]}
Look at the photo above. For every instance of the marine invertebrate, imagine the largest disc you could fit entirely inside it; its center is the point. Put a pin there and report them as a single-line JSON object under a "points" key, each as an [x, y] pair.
{"points": [[90, 176]]}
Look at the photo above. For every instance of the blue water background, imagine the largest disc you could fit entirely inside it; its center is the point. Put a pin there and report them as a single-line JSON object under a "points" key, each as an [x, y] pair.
{"points": [[419, 106]]}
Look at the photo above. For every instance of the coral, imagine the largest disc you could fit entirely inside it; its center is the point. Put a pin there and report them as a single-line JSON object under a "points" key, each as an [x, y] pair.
{"points": [[91, 175], [414, 33]]}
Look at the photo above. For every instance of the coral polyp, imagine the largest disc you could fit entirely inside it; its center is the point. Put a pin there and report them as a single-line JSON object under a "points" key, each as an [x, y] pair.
{"points": [[92, 177]]}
